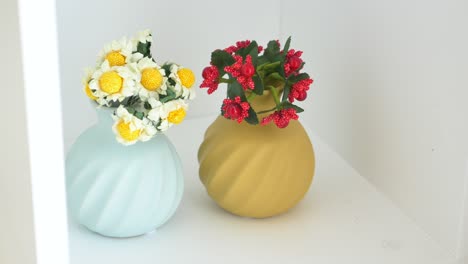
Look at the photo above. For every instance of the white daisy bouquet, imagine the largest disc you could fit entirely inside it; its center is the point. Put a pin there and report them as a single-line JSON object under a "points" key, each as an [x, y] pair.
{"points": [[148, 98]]}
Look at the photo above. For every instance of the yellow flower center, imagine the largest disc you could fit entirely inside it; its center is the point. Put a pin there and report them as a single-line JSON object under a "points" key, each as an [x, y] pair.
{"points": [[89, 93], [115, 58], [151, 79], [111, 82], [187, 77], [176, 116], [126, 133]]}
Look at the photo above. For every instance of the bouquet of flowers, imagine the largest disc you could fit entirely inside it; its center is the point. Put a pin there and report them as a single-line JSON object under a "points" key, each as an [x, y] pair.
{"points": [[148, 98], [250, 71]]}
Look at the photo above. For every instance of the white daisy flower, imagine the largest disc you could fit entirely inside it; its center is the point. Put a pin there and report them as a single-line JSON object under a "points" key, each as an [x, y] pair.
{"points": [[154, 114], [149, 131], [112, 83], [117, 53], [144, 36], [184, 79], [85, 81], [167, 114], [151, 79], [129, 128]]}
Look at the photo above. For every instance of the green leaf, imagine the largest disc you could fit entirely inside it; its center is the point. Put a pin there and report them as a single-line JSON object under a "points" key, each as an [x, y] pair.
{"points": [[171, 92], [132, 100], [115, 104], [262, 65], [254, 54], [139, 115], [271, 66], [171, 82], [252, 118], [171, 95], [272, 50], [147, 106], [221, 59], [299, 77], [276, 76], [286, 91], [281, 69], [266, 69], [235, 89], [251, 50], [131, 110], [286, 47], [262, 60], [283, 57], [261, 73], [222, 111], [144, 48], [287, 105], [300, 68], [167, 68], [258, 89]]}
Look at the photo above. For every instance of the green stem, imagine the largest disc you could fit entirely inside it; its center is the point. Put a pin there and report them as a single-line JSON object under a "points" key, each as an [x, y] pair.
{"points": [[224, 80], [272, 65], [251, 96], [268, 65], [274, 93], [266, 111]]}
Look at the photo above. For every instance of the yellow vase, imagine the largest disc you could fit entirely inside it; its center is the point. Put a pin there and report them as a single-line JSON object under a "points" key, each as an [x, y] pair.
{"points": [[256, 171]]}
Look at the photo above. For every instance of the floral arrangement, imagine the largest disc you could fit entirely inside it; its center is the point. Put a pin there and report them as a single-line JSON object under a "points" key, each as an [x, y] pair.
{"points": [[251, 70], [148, 98]]}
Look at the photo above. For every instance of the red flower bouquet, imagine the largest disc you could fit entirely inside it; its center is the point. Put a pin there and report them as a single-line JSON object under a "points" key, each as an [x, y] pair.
{"points": [[249, 70]]}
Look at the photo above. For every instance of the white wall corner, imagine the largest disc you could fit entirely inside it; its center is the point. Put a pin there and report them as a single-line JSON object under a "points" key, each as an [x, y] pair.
{"points": [[15, 183]]}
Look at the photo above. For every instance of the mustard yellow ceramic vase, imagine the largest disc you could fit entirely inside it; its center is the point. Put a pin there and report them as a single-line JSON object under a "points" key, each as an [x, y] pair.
{"points": [[256, 171]]}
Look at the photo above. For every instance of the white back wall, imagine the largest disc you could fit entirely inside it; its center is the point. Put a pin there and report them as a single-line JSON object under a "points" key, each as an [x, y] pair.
{"points": [[17, 240], [390, 84], [185, 32], [390, 96]]}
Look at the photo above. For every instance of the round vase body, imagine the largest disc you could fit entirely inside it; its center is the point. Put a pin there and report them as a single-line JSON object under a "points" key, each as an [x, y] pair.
{"points": [[122, 191], [256, 171]]}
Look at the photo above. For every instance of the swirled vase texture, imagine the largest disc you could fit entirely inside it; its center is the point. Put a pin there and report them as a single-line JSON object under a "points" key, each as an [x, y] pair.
{"points": [[122, 191], [256, 171]]}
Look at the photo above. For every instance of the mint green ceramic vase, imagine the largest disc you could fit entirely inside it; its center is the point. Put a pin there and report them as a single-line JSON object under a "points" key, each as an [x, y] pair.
{"points": [[122, 191]]}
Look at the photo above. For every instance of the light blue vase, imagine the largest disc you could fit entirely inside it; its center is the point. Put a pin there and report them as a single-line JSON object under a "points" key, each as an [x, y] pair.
{"points": [[122, 191]]}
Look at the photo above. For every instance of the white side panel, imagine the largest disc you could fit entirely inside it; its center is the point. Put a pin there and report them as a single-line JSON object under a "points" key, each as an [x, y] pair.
{"points": [[16, 217], [44, 121]]}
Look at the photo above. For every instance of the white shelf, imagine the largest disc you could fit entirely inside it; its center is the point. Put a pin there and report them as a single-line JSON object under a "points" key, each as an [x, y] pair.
{"points": [[343, 219]]}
